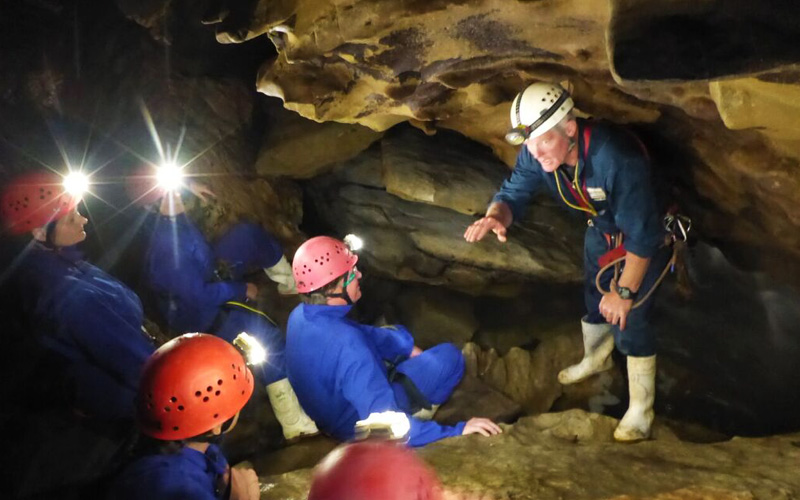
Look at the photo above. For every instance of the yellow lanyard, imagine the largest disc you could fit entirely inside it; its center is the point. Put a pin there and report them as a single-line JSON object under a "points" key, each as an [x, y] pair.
{"points": [[251, 309], [589, 208]]}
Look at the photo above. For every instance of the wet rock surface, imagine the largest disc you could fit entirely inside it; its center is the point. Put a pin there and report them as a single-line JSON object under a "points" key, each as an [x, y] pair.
{"points": [[571, 455]]}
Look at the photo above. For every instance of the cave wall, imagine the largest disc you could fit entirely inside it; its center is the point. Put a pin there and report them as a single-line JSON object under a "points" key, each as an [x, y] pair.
{"points": [[714, 81]]}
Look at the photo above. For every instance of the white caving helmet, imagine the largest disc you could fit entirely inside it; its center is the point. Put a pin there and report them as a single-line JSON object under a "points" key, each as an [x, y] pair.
{"points": [[537, 109]]}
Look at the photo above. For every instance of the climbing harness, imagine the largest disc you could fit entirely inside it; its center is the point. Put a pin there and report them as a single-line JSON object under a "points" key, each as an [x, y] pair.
{"points": [[416, 399], [677, 227], [226, 309]]}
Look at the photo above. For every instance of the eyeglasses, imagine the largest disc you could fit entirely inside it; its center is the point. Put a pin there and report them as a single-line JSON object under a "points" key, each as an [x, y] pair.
{"points": [[351, 277]]}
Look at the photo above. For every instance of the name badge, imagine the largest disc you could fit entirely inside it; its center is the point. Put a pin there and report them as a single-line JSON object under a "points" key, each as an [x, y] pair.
{"points": [[597, 194]]}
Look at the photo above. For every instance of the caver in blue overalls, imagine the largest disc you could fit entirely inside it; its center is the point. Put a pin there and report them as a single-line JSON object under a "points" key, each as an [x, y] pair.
{"points": [[611, 184], [339, 366], [90, 326], [180, 267], [192, 390]]}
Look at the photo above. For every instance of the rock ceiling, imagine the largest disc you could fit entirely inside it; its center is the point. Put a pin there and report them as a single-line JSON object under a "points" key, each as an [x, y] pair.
{"points": [[714, 85]]}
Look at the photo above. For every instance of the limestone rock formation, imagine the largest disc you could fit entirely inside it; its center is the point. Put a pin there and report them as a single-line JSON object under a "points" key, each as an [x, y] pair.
{"points": [[570, 455], [717, 112], [423, 241]]}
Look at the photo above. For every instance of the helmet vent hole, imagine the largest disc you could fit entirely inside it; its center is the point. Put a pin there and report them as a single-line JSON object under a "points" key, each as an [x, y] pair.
{"points": [[218, 393], [216, 415], [205, 399], [180, 407], [234, 376], [198, 394], [219, 382], [209, 388], [242, 392], [175, 428], [167, 409], [173, 399]]}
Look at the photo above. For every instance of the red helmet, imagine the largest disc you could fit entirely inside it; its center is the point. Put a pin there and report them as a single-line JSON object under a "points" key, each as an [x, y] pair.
{"points": [[319, 261], [34, 200], [372, 470], [191, 384], [142, 186]]}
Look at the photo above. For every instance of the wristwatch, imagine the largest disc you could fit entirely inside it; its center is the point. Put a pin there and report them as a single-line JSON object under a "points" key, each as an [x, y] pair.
{"points": [[626, 293]]}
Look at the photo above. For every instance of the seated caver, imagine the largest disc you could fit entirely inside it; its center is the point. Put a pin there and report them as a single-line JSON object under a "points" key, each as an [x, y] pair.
{"points": [[191, 392], [87, 349], [180, 268], [90, 320], [338, 367]]}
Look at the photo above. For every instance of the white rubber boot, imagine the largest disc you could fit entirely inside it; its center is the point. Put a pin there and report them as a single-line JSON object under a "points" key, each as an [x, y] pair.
{"points": [[425, 413], [635, 425], [290, 414], [598, 344], [281, 273]]}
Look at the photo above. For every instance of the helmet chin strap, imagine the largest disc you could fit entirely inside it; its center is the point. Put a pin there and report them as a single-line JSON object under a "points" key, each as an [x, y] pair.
{"points": [[344, 295], [50, 235]]}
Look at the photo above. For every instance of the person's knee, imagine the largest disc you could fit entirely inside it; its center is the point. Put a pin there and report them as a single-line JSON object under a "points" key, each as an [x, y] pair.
{"points": [[640, 343], [451, 356]]}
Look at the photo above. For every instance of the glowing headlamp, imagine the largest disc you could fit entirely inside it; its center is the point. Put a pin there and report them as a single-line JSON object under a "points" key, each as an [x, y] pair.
{"points": [[252, 350], [517, 135], [353, 242], [388, 425], [169, 177], [76, 183]]}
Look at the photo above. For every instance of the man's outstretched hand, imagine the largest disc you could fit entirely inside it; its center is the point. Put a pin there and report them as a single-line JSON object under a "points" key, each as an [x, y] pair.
{"points": [[481, 227]]}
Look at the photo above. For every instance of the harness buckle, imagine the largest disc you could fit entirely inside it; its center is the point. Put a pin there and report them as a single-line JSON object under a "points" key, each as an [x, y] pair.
{"points": [[678, 226]]}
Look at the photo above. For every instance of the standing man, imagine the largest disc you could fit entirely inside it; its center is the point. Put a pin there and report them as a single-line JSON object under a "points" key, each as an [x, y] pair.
{"points": [[603, 172], [339, 367]]}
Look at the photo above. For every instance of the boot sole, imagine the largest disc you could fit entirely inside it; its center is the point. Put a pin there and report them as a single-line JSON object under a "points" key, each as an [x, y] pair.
{"points": [[590, 375]]}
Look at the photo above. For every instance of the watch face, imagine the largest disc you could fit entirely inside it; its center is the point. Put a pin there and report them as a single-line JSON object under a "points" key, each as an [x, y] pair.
{"points": [[624, 293]]}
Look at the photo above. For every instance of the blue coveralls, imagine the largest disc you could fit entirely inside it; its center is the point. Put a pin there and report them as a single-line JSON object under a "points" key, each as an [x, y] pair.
{"points": [[187, 475], [617, 180], [180, 268], [91, 320], [336, 367]]}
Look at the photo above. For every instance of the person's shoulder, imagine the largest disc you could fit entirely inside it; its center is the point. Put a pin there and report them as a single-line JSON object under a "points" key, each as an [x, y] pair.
{"points": [[611, 138], [172, 476], [313, 320]]}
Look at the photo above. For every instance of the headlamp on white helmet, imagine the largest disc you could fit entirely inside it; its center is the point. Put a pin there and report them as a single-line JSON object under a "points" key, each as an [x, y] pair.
{"points": [[537, 109]]}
